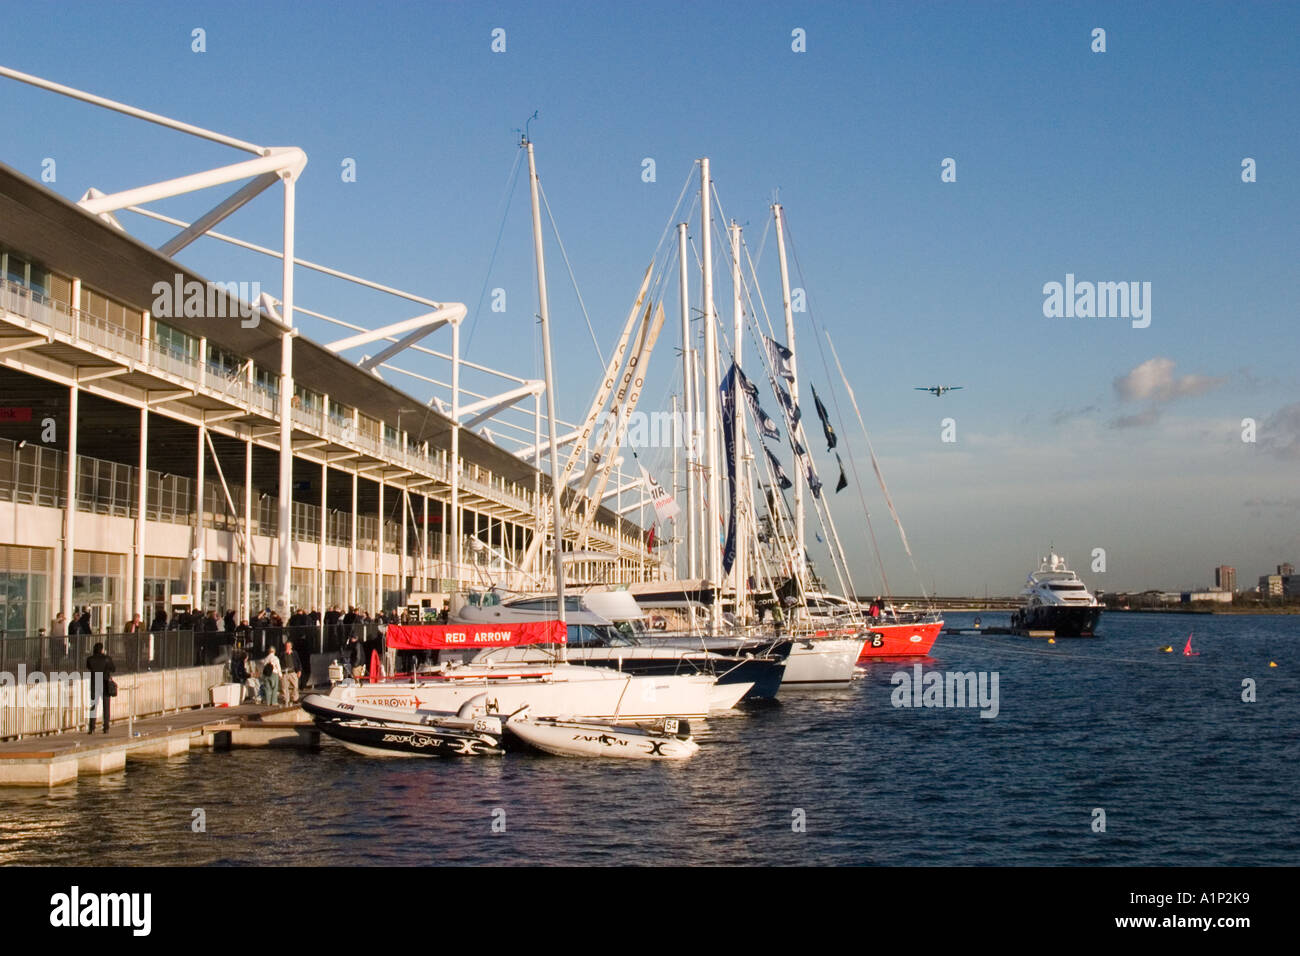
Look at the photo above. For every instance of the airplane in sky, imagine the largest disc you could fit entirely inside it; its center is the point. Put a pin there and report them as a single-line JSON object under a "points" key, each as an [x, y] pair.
{"points": [[937, 389]]}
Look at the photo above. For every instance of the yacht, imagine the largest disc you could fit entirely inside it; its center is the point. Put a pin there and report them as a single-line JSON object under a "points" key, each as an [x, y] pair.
{"points": [[604, 630], [1057, 601]]}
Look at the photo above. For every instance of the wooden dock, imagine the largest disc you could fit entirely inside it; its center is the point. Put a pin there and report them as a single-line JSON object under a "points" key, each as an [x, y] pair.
{"points": [[55, 759]]}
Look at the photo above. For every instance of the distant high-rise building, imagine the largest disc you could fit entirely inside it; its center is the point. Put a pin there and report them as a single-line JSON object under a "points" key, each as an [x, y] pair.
{"points": [[1225, 578], [1270, 585], [1286, 569]]}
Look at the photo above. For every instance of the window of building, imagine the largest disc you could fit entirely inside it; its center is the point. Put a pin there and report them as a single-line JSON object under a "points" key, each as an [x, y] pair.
{"points": [[307, 399], [24, 589], [268, 382], [98, 580], [222, 363], [180, 344]]}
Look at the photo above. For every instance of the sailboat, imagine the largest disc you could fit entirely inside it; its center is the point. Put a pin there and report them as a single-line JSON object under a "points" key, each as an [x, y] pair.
{"points": [[1187, 648], [551, 687]]}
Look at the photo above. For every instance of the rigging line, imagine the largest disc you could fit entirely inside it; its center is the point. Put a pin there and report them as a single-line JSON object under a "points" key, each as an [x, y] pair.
{"points": [[856, 478], [828, 523], [835, 400], [568, 265], [762, 244], [677, 205], [821, 505], [511, 182], [852, 463]]}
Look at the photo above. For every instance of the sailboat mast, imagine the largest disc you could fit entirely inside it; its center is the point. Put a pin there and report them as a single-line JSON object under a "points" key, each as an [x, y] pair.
{"points": [[740, 578], [714, 511], [797, 565], [688, 389], [557, 516], [677, 442]]}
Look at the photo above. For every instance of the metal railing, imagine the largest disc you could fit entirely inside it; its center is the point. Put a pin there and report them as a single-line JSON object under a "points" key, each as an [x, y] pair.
{"points": [[131, 653], [132, 347]]}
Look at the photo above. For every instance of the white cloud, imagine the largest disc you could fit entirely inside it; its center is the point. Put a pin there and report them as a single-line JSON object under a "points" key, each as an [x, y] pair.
{"points": [[1154, 380]]}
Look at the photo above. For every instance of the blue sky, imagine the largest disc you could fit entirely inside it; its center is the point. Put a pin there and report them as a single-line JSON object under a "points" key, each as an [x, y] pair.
{"points": [[1123, 165]]}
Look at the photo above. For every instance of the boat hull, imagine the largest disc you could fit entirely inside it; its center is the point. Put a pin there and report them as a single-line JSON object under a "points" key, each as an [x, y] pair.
{"points": [[375, 739], [901, 640], [823, 661], [575, 739], [1062, 621], [762, 675], [386, 732], [592, 692]]}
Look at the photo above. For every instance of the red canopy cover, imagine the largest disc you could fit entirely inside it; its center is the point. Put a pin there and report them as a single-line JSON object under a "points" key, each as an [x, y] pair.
{"points": [[421, 637]]}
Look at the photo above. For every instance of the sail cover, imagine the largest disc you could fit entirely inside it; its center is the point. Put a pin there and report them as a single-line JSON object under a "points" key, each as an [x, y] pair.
{"points": [[427, 637]]}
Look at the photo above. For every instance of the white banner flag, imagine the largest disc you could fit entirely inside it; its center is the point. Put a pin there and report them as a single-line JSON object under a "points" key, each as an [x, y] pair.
{"points": [[665, 506]]}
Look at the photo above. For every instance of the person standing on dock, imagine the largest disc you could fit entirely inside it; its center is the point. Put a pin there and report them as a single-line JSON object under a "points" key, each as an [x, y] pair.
{"points": [[271, 678], [100, 667], [291, 671]]}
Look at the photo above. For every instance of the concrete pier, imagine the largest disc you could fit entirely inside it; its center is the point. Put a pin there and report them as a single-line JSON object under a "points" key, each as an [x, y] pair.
{"points": [[60, 758]]}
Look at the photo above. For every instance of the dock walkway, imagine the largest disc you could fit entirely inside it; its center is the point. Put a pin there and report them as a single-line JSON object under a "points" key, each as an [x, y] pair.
{"points": [[55, 759]]}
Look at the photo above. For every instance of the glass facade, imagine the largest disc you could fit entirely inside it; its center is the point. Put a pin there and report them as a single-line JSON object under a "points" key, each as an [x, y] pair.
{"points": [[24, 589]]}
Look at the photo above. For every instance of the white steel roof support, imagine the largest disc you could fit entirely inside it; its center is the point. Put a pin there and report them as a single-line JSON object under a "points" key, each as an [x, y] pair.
{"points": [[284, 573], [483, 410], [219, 212], [282, 160]]}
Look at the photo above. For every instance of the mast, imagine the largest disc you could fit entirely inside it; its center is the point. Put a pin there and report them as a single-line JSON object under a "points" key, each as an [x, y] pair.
{"points": [[796, 566], [713, 552], [676, 489], [688, 388], [557, 516], [739, 577]]}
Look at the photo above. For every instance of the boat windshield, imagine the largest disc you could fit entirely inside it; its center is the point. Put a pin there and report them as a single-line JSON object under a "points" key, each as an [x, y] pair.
{"points": [[597, 635]]}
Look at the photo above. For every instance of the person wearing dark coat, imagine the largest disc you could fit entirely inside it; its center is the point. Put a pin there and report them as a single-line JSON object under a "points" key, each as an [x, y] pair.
{"points": [[100, 667]]}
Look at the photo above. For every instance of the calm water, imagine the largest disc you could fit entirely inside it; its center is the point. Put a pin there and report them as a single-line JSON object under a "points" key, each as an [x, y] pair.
{"points": [[1186, 772]]}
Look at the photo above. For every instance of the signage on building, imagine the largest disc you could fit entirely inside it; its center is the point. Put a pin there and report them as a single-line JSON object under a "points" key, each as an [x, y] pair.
{"points": [[13, 413]]}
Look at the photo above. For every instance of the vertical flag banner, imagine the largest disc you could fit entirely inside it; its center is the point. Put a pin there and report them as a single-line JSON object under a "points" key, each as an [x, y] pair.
{"points": [[831, 440], [729, 444]]}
